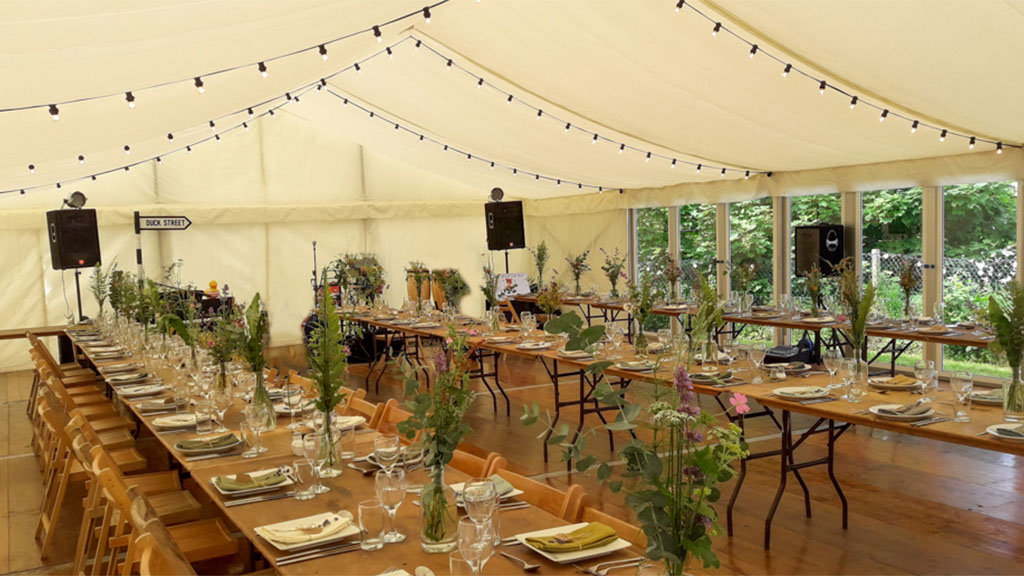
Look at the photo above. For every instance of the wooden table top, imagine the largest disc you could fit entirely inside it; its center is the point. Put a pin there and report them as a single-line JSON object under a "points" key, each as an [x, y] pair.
{"points": [[346, 491], [968, 434]]}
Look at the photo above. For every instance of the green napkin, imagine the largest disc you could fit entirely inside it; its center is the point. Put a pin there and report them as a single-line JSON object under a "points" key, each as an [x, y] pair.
{"points": [[1016, 432], [912, 409], [592, 535], [248, 482], [204, 443], [501, 485]]}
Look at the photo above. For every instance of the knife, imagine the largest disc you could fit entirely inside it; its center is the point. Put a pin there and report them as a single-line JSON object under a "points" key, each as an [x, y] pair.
{"points": [[817, 401], [929, 422], [319, 553], [254, 499], [210, 456]]}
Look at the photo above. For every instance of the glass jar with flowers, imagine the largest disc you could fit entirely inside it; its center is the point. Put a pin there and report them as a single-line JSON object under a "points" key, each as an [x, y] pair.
{"points": [[1006, 313], [254, 331], [614, 269], [577, 267], [328, 363]]}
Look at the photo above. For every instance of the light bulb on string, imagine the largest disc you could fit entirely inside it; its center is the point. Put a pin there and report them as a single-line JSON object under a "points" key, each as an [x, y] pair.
{"points": [[680, 4], [723, 172], [358, 69], [509, 99], [785, 71], [426, 14], [568, 126], [323, 52], [673, 162], [885, 114], [718, 26], [594, 141], [942, 135], [263, 69], [480, 83], [539, 113], [246, 126], [251, 113], [54, 112], [699, 166], [417, 45], [377, 34], [449, 64], [189, 149], [199, 85], [913, 127], [130, 99], [217, 138], [213, 126], [170, 137], [127, 168], [747, 175], [31, 168], [753, 51], [81, 159], [999, 147], [492, 165], [821, 87], [971, 144], [127, 150], [853, 103], [158, 160], [622, 148], [271, 112], [390, 53], [648, 158]]}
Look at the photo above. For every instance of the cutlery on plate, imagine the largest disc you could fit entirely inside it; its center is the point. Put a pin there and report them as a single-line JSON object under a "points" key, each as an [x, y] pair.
{"points": [[513, 506], [510, 541], [930, 421], [211, 456], [818, 400], [317, 553], [526, 566], [254, 499]]}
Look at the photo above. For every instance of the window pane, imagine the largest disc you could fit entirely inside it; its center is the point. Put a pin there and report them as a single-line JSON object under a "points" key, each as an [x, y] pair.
{"points": [[750, 244], [980, 256], [892, 240], [697, 252], [652, 244]]}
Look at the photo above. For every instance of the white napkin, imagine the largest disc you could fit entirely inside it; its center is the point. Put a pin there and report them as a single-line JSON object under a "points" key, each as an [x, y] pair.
{"points": [[309, 533]]}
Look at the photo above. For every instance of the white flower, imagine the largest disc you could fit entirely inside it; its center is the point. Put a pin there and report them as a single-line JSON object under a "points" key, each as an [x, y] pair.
{"points": [[671, 419], [659, 407]]}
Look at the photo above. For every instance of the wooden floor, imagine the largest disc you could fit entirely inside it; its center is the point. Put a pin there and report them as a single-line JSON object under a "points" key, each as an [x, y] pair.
{"points": [[916, 506]]}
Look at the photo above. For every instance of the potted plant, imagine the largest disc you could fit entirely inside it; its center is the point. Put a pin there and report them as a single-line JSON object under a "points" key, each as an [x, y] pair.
{"points": [[672, 474], [327, 356], [1006, 313], [856, 307], [417, 278], [252, 334], [614, 269], [438, 417], [540, 260], [577, 266]]}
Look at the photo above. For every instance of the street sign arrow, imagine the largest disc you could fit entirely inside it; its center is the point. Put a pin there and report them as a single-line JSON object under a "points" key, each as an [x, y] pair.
{"points": [[164, 223]]}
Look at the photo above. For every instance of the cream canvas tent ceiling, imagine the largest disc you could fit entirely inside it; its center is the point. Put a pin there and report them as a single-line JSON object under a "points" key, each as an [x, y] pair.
{"points": [[637, 73]]}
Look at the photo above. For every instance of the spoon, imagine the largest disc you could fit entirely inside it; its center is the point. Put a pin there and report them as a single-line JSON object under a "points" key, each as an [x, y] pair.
{"points": [[527, 567]]}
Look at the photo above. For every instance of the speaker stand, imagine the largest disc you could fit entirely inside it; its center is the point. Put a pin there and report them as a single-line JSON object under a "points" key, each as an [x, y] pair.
{"points": [[506, 261], [78, 295]]}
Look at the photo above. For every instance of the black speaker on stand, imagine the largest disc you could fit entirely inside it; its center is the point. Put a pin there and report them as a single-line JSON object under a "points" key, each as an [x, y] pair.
{"points": [[504, 224], [822, 245], [74, 242]]}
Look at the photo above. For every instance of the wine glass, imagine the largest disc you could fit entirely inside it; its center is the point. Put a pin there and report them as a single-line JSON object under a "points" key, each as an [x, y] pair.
{"points": [[924, 371], [222, 401], [615, 334], [313, 450], [256, 415], [476, 543], [962, 384], [847, 371], [665, 339], [480, 499], [832, 358], [390, 486], [757, 354], [293, 399], [386, 450], [728, 344]]}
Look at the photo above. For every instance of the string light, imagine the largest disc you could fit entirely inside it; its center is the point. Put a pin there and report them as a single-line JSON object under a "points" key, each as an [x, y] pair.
{"points": [[358, 69], [913, 127], [699, 166], [821, 87], [189, 148], [753, 50], [785, 71], [323, 51], [426, 14], [999, 148], [622, 148], [130, 99], [54, 112], [648, 158], [594, 141], [480, 83], [377, 34], [723, 172], [81, 160], [217, 138], [567, 126], [263, 69], [679, 5], [199, 85], [213, 125], [885, 113], [127, 150], [539, 114], [747, 175], [853, 102], [718, 26], [942, 136], [249, 110], [31, 168], [246, 126], [971, 145], [449, 64], [390, 53], [509, 99], [673, 162]]}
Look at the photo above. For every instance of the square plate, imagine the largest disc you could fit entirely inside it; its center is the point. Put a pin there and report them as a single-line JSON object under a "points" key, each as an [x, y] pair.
{"points": [[144, 390], [994, 431], [801, 392], [200, 451], [232, 494], [900, 417], [638, 366], [351, 530], [458, 491], [575, 556]]}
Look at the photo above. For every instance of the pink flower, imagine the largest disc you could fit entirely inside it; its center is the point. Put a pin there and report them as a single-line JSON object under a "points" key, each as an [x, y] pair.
{"points": [[473, 332], [348, 351], [448, 340], [739, 402]]}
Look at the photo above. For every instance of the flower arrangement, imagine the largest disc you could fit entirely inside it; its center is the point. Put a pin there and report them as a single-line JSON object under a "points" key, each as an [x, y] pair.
{"points": [[1006, 312], [856, 304], [577, 266], [452, 284], [614, 268], [328, 362], [361, 273], [419, 273], [707, 320], [908, 283], [549, 299], [671, 480], [672, 272], [490, 286], [252, 335], [743, 274], [639, 306], [438, 417], [540, 260], [120, 292], [812, 283]]}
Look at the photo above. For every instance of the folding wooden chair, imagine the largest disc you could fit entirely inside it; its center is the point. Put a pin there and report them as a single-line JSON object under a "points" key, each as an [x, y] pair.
{"points": [[359, 407], [390, 418], [566, 505], [102, 416], [628, 532], [476, 466]]}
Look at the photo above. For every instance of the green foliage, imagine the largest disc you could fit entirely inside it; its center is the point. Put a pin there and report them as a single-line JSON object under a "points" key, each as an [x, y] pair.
{"points": [[223, 341], [1006, 312], [452, 284], [540, 260], [361, 273], [326, 353], [99, 284], [490, 286], [580, 338], [577, 267]]}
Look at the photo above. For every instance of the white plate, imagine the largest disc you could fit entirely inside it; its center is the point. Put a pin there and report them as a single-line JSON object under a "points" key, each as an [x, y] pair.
{"points": [[157, 405], [801, 392], [884, 383], [348, 422], [789, 366], [127, 378], [458, 492], [994, 431], [425, 325], [119, 368], [534, 346], [986, 400], [709, 376], [351, 530], [282, 408], [575, 354], [574, 556], [147, 390], [766, 315], [224, 448], [233, 493], [172, 421], [820, 320], [498, 339], [639, 366], [901, 417], [935, 330]]}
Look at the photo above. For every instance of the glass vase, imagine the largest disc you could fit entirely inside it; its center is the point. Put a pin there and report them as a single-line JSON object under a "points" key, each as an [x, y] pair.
{"points": [[221, 381], [1013, 398], [439, 515], [330, 447], [640, 343], [261, 396]]}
